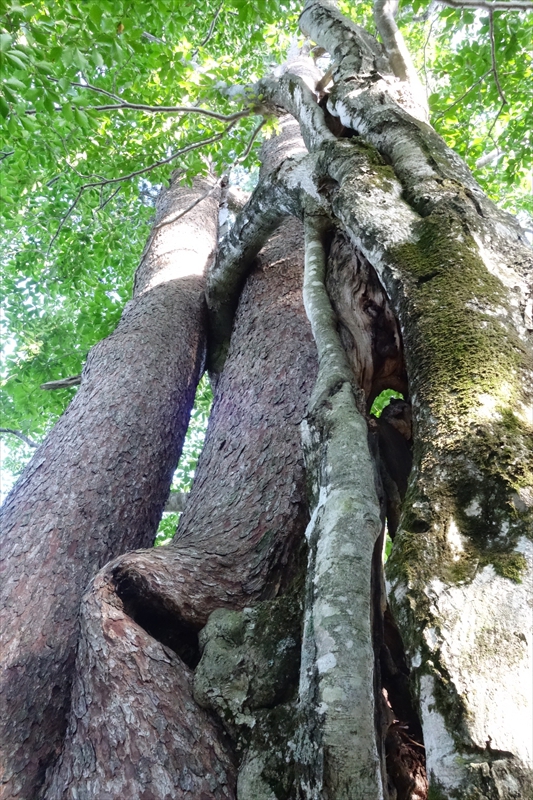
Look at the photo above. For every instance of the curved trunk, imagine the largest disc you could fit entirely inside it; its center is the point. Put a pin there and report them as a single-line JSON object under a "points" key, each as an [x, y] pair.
{"points": [[98, 484], [239, 541]]}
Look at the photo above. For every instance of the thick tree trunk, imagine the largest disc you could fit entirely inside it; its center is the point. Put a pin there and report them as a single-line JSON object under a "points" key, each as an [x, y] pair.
{"points": [[97, 485], [239, 541], [419, 256]]}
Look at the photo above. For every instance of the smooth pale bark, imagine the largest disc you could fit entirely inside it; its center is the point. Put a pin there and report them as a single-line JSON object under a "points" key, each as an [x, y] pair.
{"points": [[98, 484], [342, 757]]}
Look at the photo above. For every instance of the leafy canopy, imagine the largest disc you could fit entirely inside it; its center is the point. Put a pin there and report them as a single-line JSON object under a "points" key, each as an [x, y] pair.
{"points": [[69, 252]]}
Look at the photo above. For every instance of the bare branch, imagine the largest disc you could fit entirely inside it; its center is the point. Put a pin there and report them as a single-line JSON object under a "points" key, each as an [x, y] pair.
{"points": [[20, 435], [171, 110], [121, 104], [152, 38], [493, 58], [490, 5], [400, 59], [63, 383], [159, 110], [488, 158]]}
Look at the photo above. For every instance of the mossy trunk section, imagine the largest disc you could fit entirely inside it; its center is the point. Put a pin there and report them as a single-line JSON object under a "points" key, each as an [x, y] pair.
{"points": [[461, 564], [461, 568]]}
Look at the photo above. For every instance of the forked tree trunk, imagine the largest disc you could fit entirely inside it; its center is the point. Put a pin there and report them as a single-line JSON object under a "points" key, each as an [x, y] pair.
{"points": [[239, 541], [412, 251], [97, 485]]}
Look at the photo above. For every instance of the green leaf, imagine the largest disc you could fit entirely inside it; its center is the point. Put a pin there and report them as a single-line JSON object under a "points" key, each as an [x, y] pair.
{"points": [[81, 118], [5, 42], [95, 13], [14, 83], [15, 59]]}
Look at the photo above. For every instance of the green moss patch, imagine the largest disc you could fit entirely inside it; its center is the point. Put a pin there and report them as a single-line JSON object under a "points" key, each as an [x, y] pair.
{"points": [[461, 343]]}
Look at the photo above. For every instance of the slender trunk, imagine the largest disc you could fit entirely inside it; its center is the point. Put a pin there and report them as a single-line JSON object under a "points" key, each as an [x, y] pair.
{"points": [[98, 484]]}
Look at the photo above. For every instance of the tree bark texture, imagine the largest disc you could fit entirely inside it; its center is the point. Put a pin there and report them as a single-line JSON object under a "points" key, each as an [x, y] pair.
{"points": [[430, 285], [98, 484], [239, 541]]}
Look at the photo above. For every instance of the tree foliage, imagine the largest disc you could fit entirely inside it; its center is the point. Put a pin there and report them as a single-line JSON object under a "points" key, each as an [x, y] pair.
{"points": [[80, 171]]}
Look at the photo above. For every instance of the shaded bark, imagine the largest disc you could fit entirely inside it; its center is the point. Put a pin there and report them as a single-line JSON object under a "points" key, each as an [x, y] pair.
{"points": [[239, 541], [97, 485], [455, 283]]}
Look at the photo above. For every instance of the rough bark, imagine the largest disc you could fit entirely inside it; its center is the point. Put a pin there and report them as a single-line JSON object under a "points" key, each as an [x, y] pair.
{"points": [[457, 278], [97, 485], [239, 541]]}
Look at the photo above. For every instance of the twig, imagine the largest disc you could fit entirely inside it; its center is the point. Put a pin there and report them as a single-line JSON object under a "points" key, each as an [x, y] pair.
{"points": [[455, 102], [493, 58], [426, 82], [152, 38], [6, 155], [490, 5], [211, 27], [107, 181], [111, 196], [495, 120], [20, 435]]}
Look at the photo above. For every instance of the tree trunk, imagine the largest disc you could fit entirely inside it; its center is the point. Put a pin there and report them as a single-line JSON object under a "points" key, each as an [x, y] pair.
{"points": [[188, 675], [239, 541], [98, 484]]}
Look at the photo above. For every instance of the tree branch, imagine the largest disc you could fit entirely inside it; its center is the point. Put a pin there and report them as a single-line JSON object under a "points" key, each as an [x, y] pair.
{"points": [[107, 181], [295, 97], [63, 383], [493, 58], [20, 435], [462, 97], [400, 59], [211, 27], [217, 184], [121, 104], [490, 5], [350, 46]]}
